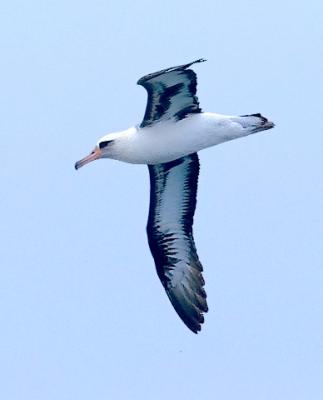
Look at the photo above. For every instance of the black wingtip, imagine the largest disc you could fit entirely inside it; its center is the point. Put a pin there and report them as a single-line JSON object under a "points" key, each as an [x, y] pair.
{"points": [[194, 62], [193, 325], [145, 78], [200, 60]]}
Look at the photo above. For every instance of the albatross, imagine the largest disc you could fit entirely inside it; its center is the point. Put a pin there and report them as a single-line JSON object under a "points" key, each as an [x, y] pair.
{"points": [[173, 130]]}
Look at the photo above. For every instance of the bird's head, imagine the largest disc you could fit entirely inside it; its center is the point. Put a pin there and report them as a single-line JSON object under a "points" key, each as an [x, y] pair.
{"points": [[101, 150]]}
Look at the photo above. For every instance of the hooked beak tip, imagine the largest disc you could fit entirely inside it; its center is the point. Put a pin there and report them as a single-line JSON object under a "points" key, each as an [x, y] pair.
{"points": [[94, 155]]}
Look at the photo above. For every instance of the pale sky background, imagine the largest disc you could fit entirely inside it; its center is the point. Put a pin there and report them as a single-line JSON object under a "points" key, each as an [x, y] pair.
{"points": [[83, 314]]}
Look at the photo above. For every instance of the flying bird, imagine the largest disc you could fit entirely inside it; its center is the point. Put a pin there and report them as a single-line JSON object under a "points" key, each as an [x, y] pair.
{"points": [[173, 130]]}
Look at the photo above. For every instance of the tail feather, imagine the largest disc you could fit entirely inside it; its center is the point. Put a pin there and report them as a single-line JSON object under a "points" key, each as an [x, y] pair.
{"points": [[257, 115], [257, 122]]}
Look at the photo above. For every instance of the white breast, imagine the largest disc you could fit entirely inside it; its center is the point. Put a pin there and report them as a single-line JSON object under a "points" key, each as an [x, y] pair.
{"points": [[169, 140]]}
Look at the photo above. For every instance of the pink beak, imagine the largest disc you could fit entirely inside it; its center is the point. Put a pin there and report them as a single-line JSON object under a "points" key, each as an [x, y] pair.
{"points": [[94, 155]]}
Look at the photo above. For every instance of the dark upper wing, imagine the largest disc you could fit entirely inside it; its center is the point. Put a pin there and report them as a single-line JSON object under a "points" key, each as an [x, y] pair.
{"points": [[171, 93], [173, 188]]}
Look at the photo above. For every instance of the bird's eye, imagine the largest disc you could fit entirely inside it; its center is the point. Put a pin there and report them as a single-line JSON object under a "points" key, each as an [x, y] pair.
{"points": [[102, 145]]}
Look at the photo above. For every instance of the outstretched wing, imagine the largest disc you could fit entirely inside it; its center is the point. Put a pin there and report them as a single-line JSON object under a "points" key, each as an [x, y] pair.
{"points": [[173, 188], [171, 94]]}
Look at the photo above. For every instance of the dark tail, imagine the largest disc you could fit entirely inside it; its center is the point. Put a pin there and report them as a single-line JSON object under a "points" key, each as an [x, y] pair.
{"points": [[258, 115], [259, 122]]}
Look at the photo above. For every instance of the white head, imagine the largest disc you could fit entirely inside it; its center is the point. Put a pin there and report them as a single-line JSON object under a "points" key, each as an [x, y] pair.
{"points": [[101, 150]]}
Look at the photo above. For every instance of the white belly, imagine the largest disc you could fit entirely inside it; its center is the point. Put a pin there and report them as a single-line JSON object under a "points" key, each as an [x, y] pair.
{"points": [[169, 140]]}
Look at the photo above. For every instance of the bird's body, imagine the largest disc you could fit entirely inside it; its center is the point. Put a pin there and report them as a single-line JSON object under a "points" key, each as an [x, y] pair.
{"points": [[166, 141], [173, 130]]}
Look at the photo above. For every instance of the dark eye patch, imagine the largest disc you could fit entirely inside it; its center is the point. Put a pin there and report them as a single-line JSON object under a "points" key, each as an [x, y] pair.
{"points": [[102, 145]]}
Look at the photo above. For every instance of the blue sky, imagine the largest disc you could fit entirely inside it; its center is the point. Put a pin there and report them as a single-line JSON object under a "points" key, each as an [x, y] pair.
{"points": [[83, 315]]}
